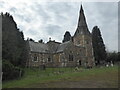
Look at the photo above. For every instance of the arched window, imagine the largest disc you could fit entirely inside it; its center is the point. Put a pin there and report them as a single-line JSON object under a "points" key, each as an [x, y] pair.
{"points": [[49, 59], [70, 57], [79, 62]]}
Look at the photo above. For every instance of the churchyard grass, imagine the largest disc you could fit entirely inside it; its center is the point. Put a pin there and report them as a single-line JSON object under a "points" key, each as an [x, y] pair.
{"points": [[107, 77]]}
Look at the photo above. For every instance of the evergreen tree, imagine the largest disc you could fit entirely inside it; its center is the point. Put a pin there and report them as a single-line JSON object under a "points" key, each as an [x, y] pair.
{"points": [[98, 45], [13, 43], [31, 40], [40, 41], [67, 36], [113, 56], [13, 47]]}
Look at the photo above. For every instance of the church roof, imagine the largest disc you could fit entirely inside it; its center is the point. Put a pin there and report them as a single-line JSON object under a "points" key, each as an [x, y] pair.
{"points": [[38, 47], [63, 46], [53, 46], [48, 48], [82, 25]]}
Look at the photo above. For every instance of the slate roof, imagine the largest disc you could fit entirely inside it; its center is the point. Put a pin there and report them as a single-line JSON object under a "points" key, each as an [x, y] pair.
{"points": [[52, 46], [38, 47], [45, 48], [82, 25], [62, 46]]}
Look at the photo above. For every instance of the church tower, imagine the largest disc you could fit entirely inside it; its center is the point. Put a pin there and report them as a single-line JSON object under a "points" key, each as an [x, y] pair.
{"points": [[83, 38]]}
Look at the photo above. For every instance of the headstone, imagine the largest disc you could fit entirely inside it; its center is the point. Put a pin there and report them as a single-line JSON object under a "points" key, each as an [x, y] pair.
{"points": [[107, 65], [111, 64]]}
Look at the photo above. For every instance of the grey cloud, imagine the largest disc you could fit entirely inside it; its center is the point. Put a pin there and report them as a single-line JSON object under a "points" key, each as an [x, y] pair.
{"points": [[52, 29], [13, 9], [32, 32], [40, 11], [59, 8], [109, 13], [2, 4], [24, 18]]}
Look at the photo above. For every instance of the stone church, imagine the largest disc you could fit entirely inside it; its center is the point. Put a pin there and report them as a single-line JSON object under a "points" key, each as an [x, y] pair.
{"points": [[76, 52]]}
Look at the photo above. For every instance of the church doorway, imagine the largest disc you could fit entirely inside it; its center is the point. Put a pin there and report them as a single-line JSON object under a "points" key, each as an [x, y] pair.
{"points": [[79, 62]]}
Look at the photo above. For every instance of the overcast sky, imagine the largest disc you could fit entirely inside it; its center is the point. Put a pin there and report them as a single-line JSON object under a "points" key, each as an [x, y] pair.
{"points": [[41, 20]]}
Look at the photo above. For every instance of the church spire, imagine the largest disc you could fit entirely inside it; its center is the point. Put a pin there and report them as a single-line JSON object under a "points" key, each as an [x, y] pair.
{"points": [[82, 25], [82, 20], [81, 10]]}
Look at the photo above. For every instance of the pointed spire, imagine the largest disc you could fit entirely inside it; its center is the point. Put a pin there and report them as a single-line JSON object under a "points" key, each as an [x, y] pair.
{"points": [[82, 25], [82, 20], [81, 10]]}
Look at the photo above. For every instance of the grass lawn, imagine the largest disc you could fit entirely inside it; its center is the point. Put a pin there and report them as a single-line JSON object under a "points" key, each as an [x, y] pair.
{"points": [[104, 77]]}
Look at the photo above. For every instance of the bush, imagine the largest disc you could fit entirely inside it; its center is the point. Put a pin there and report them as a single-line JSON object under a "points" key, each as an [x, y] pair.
{"points": [[113, 57], [10, 71]]}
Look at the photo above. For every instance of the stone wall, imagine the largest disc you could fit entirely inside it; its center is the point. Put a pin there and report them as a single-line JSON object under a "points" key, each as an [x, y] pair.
{"points": [[86, 42], [77, 53]]}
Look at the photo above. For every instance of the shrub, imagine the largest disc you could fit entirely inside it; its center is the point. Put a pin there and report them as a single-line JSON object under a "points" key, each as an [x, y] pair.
{"points": [[10, 71]]}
